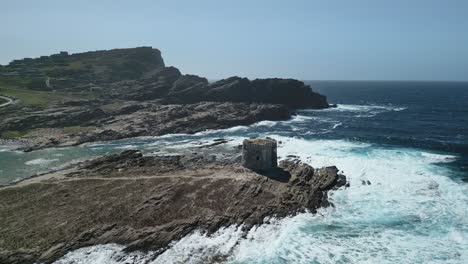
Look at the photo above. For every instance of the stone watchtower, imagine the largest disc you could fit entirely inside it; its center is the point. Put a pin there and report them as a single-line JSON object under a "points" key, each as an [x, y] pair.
{"points": [[259, 154]]}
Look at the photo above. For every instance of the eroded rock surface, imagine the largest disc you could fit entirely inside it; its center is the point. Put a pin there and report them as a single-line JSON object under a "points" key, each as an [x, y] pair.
{"points": [[74, 125], [145, 202]]}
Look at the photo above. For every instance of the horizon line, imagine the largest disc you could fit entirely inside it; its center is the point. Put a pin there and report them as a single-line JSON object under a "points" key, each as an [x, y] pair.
{"points": [[344, 80]]}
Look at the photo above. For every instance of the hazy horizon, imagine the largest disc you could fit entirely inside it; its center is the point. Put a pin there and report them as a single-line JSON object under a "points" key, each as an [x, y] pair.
{"points": [[361, 40]]}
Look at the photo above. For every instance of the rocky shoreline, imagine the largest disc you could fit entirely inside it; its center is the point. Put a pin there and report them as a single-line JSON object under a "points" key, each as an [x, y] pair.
{"points": [[145, 202], [77, 125]]}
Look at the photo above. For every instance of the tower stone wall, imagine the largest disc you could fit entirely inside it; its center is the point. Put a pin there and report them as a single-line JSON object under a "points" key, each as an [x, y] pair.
{"points": [[259, 154]]}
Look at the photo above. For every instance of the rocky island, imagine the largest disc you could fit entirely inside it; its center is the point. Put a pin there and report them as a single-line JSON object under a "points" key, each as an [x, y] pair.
{"points": [[145, 202]]}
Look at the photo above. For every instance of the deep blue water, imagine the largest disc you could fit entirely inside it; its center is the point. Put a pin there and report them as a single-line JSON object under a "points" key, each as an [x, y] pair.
{"points": [[433, 115], [436, 114]]}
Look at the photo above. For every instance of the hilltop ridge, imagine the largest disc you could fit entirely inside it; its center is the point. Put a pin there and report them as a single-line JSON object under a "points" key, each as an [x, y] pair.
{"points": [[140, 74]]}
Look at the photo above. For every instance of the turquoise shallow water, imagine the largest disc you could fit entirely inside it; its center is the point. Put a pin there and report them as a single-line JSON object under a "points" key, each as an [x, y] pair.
{"points": [[411, 150]]}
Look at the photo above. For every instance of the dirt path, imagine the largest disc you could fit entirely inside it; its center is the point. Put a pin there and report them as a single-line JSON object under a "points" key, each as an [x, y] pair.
{"points": [[10, 101], [61, 176]]}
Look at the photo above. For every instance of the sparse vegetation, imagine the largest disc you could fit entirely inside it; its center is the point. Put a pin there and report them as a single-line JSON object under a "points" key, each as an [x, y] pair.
{"points": [[13, 134], [28, 93], [26, 97], [37, 84], [14, 82], [77, 129], [110, 108]]}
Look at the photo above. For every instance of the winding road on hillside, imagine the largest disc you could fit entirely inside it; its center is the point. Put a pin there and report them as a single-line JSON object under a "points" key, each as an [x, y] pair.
{"points": [[9, 101]]}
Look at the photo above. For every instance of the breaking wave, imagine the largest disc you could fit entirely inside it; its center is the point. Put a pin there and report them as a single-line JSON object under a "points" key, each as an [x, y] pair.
{"points": [[40, 161], [360, 110], [366, 108]]}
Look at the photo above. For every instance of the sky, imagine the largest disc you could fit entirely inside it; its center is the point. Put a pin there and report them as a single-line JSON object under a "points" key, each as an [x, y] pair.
{"points": [[303, 39]]}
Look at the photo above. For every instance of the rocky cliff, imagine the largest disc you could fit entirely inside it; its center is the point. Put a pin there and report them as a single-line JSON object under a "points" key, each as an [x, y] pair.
{"points": [[140, 74]]}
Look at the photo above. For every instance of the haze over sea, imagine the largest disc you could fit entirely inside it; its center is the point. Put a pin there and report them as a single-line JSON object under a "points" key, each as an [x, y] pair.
{"points": [[408, 139]]}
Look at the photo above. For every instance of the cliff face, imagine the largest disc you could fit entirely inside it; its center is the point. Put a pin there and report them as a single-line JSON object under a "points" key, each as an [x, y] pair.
{"points": [[140, 74], [84, 71], [289, 92]]}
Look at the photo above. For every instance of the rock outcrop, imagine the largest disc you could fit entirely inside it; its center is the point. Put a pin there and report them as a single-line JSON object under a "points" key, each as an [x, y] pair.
{"points": [[289, 92], [76, 124], [145, 202]]}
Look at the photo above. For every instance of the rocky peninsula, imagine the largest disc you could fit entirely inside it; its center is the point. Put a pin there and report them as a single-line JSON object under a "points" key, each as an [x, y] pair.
{"points": [[145, 202], [69, 99]]}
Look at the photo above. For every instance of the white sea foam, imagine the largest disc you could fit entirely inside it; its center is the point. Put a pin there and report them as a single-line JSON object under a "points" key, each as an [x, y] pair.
{"points": [[160, 142], [199, 248], [265, 123], [361, 110], [438, 158], [366, 108], [300, 118], [126, 147], [336, 125], [411, 213], [195, 248], [40, 161], [103, 254], [215, 131], [9, 148]]}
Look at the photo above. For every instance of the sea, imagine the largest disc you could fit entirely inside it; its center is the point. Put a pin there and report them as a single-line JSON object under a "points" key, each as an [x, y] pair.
{"points": [[409, 139]]}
